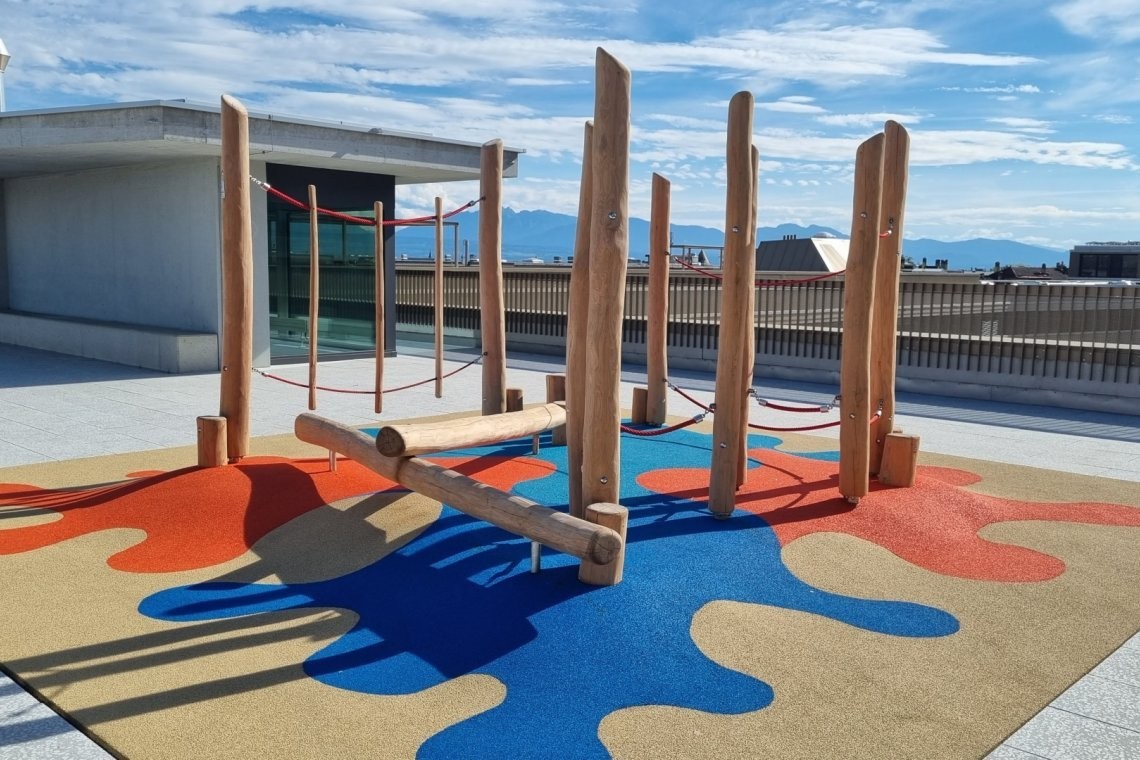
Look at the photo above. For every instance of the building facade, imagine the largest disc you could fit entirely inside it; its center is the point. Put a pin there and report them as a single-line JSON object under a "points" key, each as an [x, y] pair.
{"points": [[1113, 261], [110, 226]]}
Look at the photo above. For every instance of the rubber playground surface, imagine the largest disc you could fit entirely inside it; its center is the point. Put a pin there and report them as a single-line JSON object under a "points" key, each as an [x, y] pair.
{"points": [[277, 608]]}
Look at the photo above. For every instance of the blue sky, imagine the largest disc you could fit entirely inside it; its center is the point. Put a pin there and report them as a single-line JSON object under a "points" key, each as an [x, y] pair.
{"points": [[1023, 114]]}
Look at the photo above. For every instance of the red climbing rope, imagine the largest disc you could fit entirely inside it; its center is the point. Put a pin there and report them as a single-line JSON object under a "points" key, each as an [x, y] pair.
{"points": [[821, 426], [287, 381], [705, 272], [664, 430], [783, 408], [357, 219], [689, 398]]}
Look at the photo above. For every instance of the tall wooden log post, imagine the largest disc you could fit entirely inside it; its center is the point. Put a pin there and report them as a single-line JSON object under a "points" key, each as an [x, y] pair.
{"points": [[748, 348], [492, 314], [578, 311], [378, 314], [237, 278], [609, 251], [314, 294], [729, 430], [858, 305], [438, 297], [657, 308], [884, 320]]}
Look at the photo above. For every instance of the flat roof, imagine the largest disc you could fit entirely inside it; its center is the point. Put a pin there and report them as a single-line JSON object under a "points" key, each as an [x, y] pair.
{"points": [[54, 140]]}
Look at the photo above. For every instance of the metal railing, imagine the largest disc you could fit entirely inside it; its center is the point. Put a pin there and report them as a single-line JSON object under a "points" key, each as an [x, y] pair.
{"points": [[1072, 338]]}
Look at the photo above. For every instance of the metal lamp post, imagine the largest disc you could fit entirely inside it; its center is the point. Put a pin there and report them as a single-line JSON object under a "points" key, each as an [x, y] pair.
{"points": [[4, 58]]}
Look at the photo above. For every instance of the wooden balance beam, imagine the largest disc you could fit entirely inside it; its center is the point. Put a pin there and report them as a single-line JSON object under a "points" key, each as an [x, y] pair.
{"points": [[415, 438], [600, 548]]}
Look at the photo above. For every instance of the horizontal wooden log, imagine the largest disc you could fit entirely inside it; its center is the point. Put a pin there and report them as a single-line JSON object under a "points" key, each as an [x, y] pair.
{"points": [[571, 535], [415, 438]]}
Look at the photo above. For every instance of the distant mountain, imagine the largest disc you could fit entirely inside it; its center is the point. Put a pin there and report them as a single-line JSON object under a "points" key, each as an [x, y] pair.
{"points": [[982, 253], [545, 234]]}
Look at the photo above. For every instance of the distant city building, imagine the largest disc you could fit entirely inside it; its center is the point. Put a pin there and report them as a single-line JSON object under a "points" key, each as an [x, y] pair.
{"points": [[796, 254], [1106, 260], [1028, 273]]}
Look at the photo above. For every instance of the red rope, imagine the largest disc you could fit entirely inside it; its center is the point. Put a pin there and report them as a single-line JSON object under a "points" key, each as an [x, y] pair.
{"points": [[287, 381], [689, 398], [664, 430], [821, 426], [705, 272], [782, 408], [360, 219]]}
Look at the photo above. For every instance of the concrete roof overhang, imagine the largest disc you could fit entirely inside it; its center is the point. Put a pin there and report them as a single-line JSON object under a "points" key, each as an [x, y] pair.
{"points": [[71, 139]]}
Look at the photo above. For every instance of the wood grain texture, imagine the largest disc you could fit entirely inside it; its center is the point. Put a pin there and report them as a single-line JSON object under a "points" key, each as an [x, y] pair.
{"points": [[378, 312], [578, 311], [237, 278], [415, 438], [737, 285], [657, 304], [884, 319], [492, 310], [314, 294], [858, 302], [520, 516], [609, 251]]}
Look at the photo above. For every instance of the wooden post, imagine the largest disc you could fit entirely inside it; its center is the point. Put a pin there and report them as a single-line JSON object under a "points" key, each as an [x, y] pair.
{"points": [[884, 319], [900, 460], [492, 319], [378, 280], [237, 278], [514, 399], [577, 316], [609, 251], [314, 294], [556, 391], [748, 347], [657, 305], [212, 441], [858, 304], [558, 530], [616, 518], [438, 297], [416, 438], [729, 430], [638, 413]]}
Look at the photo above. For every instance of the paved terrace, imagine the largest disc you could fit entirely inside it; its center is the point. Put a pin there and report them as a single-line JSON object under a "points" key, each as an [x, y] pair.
{"points": [[55, 408]]}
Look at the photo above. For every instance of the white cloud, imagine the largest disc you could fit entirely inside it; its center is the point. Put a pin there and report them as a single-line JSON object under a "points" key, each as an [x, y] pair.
{"points": [[791, 105], [1117, 20], [1022, 124], [867, 119]]}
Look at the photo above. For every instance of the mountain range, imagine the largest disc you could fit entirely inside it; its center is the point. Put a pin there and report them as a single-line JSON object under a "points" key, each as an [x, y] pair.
{"points": [[545, 234]]}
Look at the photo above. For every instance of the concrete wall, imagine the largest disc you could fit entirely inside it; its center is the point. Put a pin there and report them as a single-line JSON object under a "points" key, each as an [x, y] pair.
{"points": [[127, 258], [134, 244], [3, 252]]}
